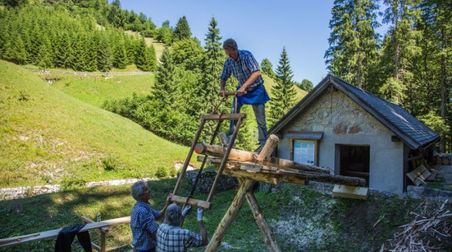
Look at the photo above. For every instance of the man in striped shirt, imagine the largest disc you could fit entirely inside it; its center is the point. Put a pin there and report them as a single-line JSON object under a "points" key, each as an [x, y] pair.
{"points": [[250, 89]]}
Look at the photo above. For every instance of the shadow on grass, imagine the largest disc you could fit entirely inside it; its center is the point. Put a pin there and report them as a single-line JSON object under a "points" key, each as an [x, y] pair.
{"points": [[51, 211], [353, 224]]}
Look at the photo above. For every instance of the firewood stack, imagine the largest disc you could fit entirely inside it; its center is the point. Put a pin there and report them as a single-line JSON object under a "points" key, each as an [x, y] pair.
{"points": [[431, 230]]}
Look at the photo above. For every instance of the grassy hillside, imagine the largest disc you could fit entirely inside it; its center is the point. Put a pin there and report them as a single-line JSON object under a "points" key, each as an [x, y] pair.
{"points": [[269, 83], [47, 136], [96, 90]]}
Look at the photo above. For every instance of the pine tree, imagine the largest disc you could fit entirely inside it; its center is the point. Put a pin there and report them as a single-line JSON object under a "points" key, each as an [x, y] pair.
{"points": [[90, 54], [15, 50], [60, 49], [352, 53], [164, 88], [130, 45], [120, 56], [212, 64], [283, 93], [267, 67], [104, 54], [45, 55], [400, 48], [165, 33], [182, 30], [145, 58]]}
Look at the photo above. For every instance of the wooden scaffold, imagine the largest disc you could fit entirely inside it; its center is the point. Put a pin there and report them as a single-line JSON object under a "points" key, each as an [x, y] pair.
{"points": [[249, 168]]}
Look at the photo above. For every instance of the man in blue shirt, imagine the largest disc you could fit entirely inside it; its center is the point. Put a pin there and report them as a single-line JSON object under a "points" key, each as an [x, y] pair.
{"points": [[250, 89], [143, 218]]}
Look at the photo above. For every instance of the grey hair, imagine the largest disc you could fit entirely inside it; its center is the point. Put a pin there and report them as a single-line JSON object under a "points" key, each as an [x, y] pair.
{"points": [[230, 43], [173, 215], [138, 188]]}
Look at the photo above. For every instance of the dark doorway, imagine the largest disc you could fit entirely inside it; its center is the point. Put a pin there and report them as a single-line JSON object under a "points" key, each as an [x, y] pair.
{"points": [[354, 161]]}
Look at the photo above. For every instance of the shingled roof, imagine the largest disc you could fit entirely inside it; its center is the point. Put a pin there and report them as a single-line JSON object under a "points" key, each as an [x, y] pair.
{"points": [[404, 125]]}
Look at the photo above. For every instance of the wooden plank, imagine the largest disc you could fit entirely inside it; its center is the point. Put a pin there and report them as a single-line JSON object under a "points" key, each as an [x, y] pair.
{"points": [[191, 201], [230, 215], [419, 175], [291, 175], [54, 232], [351, 192], [261, 223], [233, 116], [89, 220]]}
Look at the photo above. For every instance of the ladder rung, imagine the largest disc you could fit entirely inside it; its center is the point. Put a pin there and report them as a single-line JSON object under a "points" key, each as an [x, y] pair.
{"points": [[234, 116], [193, 202]]}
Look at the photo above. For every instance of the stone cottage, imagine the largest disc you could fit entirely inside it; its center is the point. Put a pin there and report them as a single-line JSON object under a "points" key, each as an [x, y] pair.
{"points": [[354, 133]]}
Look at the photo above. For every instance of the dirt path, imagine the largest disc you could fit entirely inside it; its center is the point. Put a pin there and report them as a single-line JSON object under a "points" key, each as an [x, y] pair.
{"points": [[28, 191]]}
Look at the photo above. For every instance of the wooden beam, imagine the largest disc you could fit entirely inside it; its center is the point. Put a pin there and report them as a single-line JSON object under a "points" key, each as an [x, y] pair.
{"points": [[191, 201], [285, 163], [54, 232], [234, 116], [246, 156], [268, 149], [230, 215], [264, 173], [261, 223]]}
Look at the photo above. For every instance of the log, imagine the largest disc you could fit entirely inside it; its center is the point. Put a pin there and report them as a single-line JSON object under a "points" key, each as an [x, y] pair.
{"points": [[246, 156], [230, 215], [268, 149], [218, 151], [261, 223]]}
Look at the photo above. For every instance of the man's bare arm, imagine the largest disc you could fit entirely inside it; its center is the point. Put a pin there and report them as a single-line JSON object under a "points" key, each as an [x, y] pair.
{"points": [[253, 77]]}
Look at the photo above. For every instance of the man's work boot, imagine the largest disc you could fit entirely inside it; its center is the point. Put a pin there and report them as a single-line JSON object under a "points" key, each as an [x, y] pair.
{"points": [[224, 139]]}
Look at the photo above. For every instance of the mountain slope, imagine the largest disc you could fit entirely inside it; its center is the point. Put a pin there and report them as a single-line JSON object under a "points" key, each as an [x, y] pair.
{"points": [[47, 136]]}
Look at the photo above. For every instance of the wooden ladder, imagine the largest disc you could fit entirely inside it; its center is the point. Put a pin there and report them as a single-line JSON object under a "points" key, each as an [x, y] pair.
{"points": [[238, 117]]}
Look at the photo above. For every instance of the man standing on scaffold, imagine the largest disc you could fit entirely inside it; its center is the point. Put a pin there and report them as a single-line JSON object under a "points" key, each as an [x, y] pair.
{"points": [[251, 90]]}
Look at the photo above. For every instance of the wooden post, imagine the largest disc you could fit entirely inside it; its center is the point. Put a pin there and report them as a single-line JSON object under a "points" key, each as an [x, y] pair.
{"points": [[268, 148], [261, 223], [230, 215], [103, 232]]}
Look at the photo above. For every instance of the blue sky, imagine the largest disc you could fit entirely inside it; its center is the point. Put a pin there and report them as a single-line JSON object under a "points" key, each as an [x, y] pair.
{"points": [[262, 27]]}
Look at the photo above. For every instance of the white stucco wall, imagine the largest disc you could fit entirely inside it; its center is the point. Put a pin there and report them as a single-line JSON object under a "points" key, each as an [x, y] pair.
{"points": [[344, 122]]}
